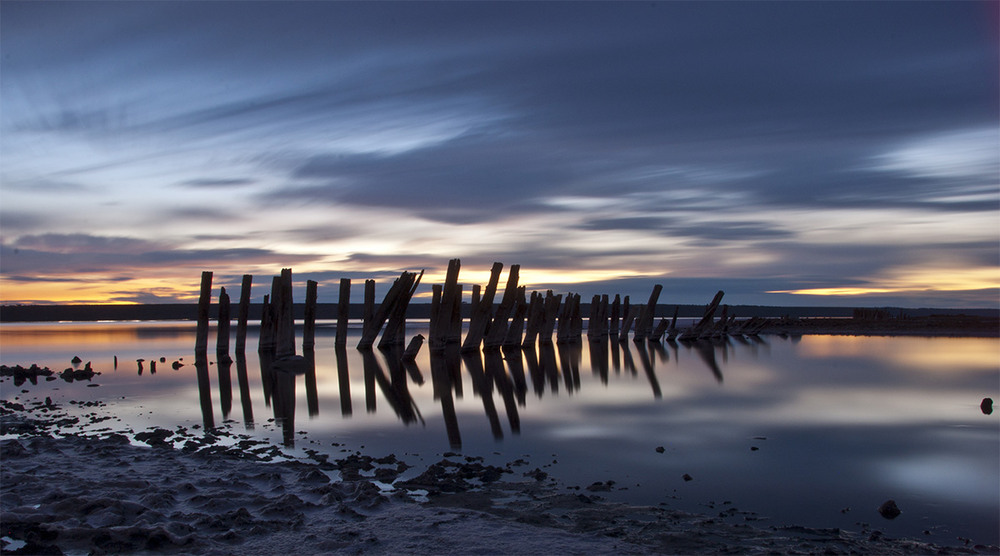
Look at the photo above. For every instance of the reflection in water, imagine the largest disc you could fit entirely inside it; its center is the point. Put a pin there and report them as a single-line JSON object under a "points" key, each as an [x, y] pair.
{"points": [[244, 380], [706, 350], [495, 374], [224, 368], [647, 366], [204, 390], [441, 380], [283, 403], [481, 387], [344, 379], [312, 396]]}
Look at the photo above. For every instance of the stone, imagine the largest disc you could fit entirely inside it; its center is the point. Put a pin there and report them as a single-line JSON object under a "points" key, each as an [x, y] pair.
{"points": [[889, 509]]}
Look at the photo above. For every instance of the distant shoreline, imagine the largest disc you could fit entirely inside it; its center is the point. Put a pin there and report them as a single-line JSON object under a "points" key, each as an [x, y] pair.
{"points": [[984, 323], [189, 311]]}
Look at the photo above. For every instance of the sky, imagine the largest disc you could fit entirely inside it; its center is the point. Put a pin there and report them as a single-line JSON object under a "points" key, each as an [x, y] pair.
{"points": [[788, 153]]}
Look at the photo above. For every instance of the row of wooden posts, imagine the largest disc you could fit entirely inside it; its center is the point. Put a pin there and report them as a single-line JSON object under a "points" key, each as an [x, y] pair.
{"points": [[516, 320]]}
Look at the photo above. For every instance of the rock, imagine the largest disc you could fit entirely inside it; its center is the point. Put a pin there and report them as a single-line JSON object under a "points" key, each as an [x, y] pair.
{"points": [[660, 449], [987, 406], [177, 365], [889, 509], [76, 360], [688, 477]]}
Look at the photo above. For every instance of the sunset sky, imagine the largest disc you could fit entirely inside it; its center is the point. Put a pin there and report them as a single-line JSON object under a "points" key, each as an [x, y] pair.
{"points": [[792, 153]]}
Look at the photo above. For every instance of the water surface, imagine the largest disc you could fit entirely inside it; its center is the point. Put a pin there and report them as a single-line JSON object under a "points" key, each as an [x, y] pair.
{"points": [[814, 431]]}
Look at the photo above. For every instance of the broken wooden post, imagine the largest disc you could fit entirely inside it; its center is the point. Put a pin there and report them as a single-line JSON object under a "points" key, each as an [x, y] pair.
{"points": [[395, 328], [222, 329], [593, 331], [204, 301], [498, 331], [243, 314], [369, 308], [309, 324], [400, 289], [285, 325], [437, 321], [343, 311], [411, 350], [706, 321], [516, 328], [535, 317], [455, 334], [615, 315], [480, 317], [575, 321], [644, 323], [552, 304], [265, 340], [450, 303]]}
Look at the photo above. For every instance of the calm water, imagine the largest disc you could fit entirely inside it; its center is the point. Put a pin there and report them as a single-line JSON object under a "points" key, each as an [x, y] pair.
{"points": [[814, 431]]}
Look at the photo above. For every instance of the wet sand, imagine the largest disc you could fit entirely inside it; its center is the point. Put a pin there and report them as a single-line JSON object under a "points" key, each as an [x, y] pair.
{"points": [[182, 491]]}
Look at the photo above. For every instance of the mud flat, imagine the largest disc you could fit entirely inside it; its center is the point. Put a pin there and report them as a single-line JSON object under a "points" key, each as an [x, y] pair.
{"points": [[180, 491]]}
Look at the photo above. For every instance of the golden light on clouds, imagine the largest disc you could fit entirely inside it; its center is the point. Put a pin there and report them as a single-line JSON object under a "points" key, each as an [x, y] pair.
{"points": [[910, 279], [99, 291]]}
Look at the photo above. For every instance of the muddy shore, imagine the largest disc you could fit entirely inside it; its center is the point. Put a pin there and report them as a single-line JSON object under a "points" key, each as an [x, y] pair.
{"points": [[181, 491]]}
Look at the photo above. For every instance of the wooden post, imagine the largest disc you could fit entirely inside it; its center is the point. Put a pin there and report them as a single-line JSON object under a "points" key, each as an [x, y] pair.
{"points": [[222, 330], [204, 301], [552, 304], [536, 316], [395, 313], [513, 336], [244, 314], [615, 315], [480, 317], [369, 309], [438, 322], [411, 350], [451, 300], [309, 326], [593, 332], [455, 334], [343, 311], [498, 331], [285, 329], [265, 339]]}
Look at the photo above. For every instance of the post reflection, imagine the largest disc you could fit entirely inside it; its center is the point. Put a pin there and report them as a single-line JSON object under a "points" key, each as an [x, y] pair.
{"points": [[244, 381], [204, 390], [442, 383], [344, 381], [509, 372], [224, 369], [481, 387]]}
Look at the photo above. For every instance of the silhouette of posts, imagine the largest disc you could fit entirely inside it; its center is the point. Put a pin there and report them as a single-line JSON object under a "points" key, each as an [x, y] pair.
{"points": [[243, 313], [481, 311], [443, 315], [498, 330], [204, 301], [343, 311], [222, 330], [309, 325]]}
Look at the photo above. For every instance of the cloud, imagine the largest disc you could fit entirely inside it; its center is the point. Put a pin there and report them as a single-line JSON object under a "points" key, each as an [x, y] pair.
{"points": [[218, 182]]}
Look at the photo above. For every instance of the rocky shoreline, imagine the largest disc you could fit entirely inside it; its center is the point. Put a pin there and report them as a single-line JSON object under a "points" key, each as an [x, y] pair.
{"points": [[213, 492]]}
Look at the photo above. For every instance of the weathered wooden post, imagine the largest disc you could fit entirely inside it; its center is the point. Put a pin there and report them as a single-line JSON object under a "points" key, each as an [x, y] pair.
{"points": [[552, 304], [222, 329], [480, 317], [343, 311], [204, 301], [615, 313], [243, 313], [437, 319], [513, 336], [368, 316], [410, 354], [455, 334], [265, 340], [498, 331], [285, 329], [536, 316], [593, 332], [309, 324], [450, 304]]}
